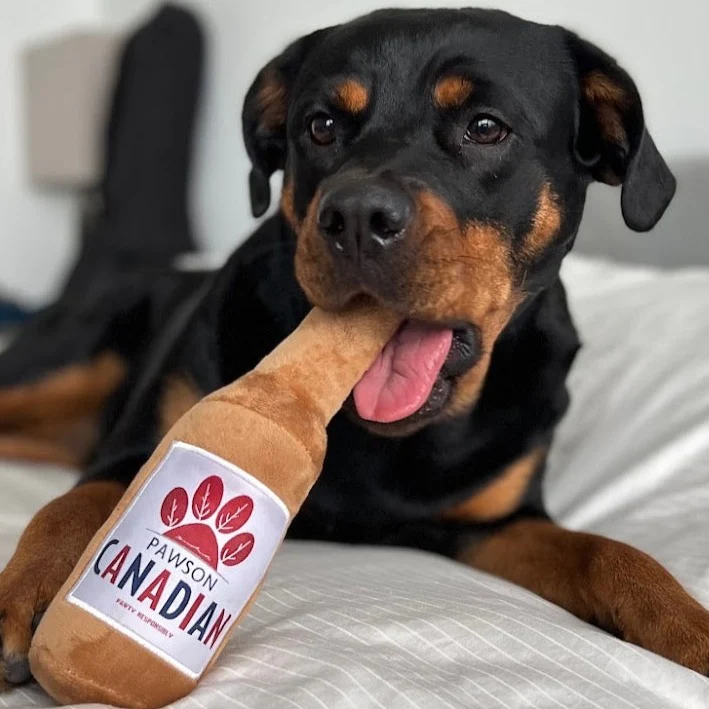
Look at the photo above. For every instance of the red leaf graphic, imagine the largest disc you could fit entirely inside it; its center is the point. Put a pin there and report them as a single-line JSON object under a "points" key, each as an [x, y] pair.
{"points": [[174, 507], [208, 497], [237, 549], [235, 514]]}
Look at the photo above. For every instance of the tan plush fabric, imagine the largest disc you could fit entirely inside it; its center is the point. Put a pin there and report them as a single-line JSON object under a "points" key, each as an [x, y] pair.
{"points": [[271, 422]]}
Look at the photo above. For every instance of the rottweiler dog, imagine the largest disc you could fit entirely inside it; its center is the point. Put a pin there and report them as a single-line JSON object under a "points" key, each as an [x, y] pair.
{"points": [[436, 161]]}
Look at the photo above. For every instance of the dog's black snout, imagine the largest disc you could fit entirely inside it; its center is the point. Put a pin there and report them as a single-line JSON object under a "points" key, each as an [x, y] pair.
{"points": [[361, 214]]}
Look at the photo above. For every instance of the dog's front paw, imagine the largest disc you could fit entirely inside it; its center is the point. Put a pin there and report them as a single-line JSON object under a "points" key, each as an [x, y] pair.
{"points": [[680, 634], [47, 552], [25, 592]]}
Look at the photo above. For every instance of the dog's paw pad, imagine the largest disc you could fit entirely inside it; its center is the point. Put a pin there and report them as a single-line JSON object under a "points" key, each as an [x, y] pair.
{"points": [[17, 669]]}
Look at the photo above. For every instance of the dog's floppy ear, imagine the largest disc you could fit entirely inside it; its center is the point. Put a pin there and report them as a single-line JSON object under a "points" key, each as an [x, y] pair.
{"points": [[611, 138], [264, 117]]}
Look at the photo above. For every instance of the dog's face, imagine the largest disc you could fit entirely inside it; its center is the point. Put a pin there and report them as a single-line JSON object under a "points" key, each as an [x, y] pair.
{"points": [[438, 161]]}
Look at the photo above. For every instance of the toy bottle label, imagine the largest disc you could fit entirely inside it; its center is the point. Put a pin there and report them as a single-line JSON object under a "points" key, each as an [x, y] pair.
{"points": [[179, 566]]}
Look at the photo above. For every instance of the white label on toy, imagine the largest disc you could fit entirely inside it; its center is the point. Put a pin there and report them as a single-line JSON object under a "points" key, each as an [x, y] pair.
{"points": [[178, 567]]}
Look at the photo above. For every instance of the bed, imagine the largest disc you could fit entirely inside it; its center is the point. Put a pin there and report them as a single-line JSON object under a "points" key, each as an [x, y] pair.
{"points": [[339, 627]]}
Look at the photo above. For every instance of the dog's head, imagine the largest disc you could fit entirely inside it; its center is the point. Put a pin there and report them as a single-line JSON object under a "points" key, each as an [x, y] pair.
{"points": [[438, 161]]}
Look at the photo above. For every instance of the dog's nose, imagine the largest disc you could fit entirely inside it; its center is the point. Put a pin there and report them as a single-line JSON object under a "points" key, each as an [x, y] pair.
{"points": [[363, 214]]}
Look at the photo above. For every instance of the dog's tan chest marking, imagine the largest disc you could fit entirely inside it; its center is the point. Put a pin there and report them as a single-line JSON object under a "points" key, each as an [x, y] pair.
{"points": [[503, 495]]}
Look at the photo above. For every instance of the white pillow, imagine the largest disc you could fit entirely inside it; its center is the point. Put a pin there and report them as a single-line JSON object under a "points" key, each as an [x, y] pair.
{"points": [[631, 458]]}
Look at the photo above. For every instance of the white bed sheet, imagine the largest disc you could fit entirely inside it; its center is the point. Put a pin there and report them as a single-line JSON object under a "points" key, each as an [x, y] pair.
{"points": [[358, 627]]}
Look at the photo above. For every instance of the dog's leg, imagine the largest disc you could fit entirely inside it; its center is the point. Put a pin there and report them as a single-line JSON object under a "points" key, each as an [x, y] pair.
{"points": [[603, 582], [46, 553], [56, 418]]}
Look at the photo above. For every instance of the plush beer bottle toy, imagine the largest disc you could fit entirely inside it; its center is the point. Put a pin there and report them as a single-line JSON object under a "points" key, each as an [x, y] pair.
{"points": [[155, 596]]}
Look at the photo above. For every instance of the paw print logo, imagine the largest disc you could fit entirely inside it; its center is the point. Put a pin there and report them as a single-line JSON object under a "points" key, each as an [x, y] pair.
{"points": [[202, 537]]}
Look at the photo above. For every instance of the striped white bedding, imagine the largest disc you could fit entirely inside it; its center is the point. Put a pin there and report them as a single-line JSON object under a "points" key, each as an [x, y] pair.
{"points": [[358, 627]]}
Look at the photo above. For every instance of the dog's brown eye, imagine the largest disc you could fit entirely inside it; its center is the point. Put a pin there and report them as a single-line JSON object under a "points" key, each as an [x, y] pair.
{"points": [[322, 129], [485, 130]]}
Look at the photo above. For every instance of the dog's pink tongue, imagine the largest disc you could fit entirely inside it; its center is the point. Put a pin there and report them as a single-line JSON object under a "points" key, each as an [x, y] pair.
{"points": [[400, 380]]}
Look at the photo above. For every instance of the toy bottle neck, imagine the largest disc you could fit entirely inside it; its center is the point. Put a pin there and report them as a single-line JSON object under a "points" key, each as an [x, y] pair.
{"points": [[329, 352]]}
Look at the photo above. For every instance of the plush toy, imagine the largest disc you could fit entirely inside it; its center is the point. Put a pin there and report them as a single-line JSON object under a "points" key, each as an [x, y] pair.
{"points": [[155, 596]]}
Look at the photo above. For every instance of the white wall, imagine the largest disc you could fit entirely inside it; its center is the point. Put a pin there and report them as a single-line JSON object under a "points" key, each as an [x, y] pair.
{"points": [[37, 227], [661, 43]]}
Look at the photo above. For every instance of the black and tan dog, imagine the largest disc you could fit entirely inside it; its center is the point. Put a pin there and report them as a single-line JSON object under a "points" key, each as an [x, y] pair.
{"points": [[437, 161]]}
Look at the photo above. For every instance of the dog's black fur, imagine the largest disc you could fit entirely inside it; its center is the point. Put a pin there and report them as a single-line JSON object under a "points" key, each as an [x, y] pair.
{"points": [[378, 488], [385, 110]]}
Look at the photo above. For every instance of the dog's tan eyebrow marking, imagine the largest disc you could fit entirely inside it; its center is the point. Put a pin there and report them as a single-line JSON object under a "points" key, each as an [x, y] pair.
{"points": [[502, 495], [352, 96], [452, 91]]}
